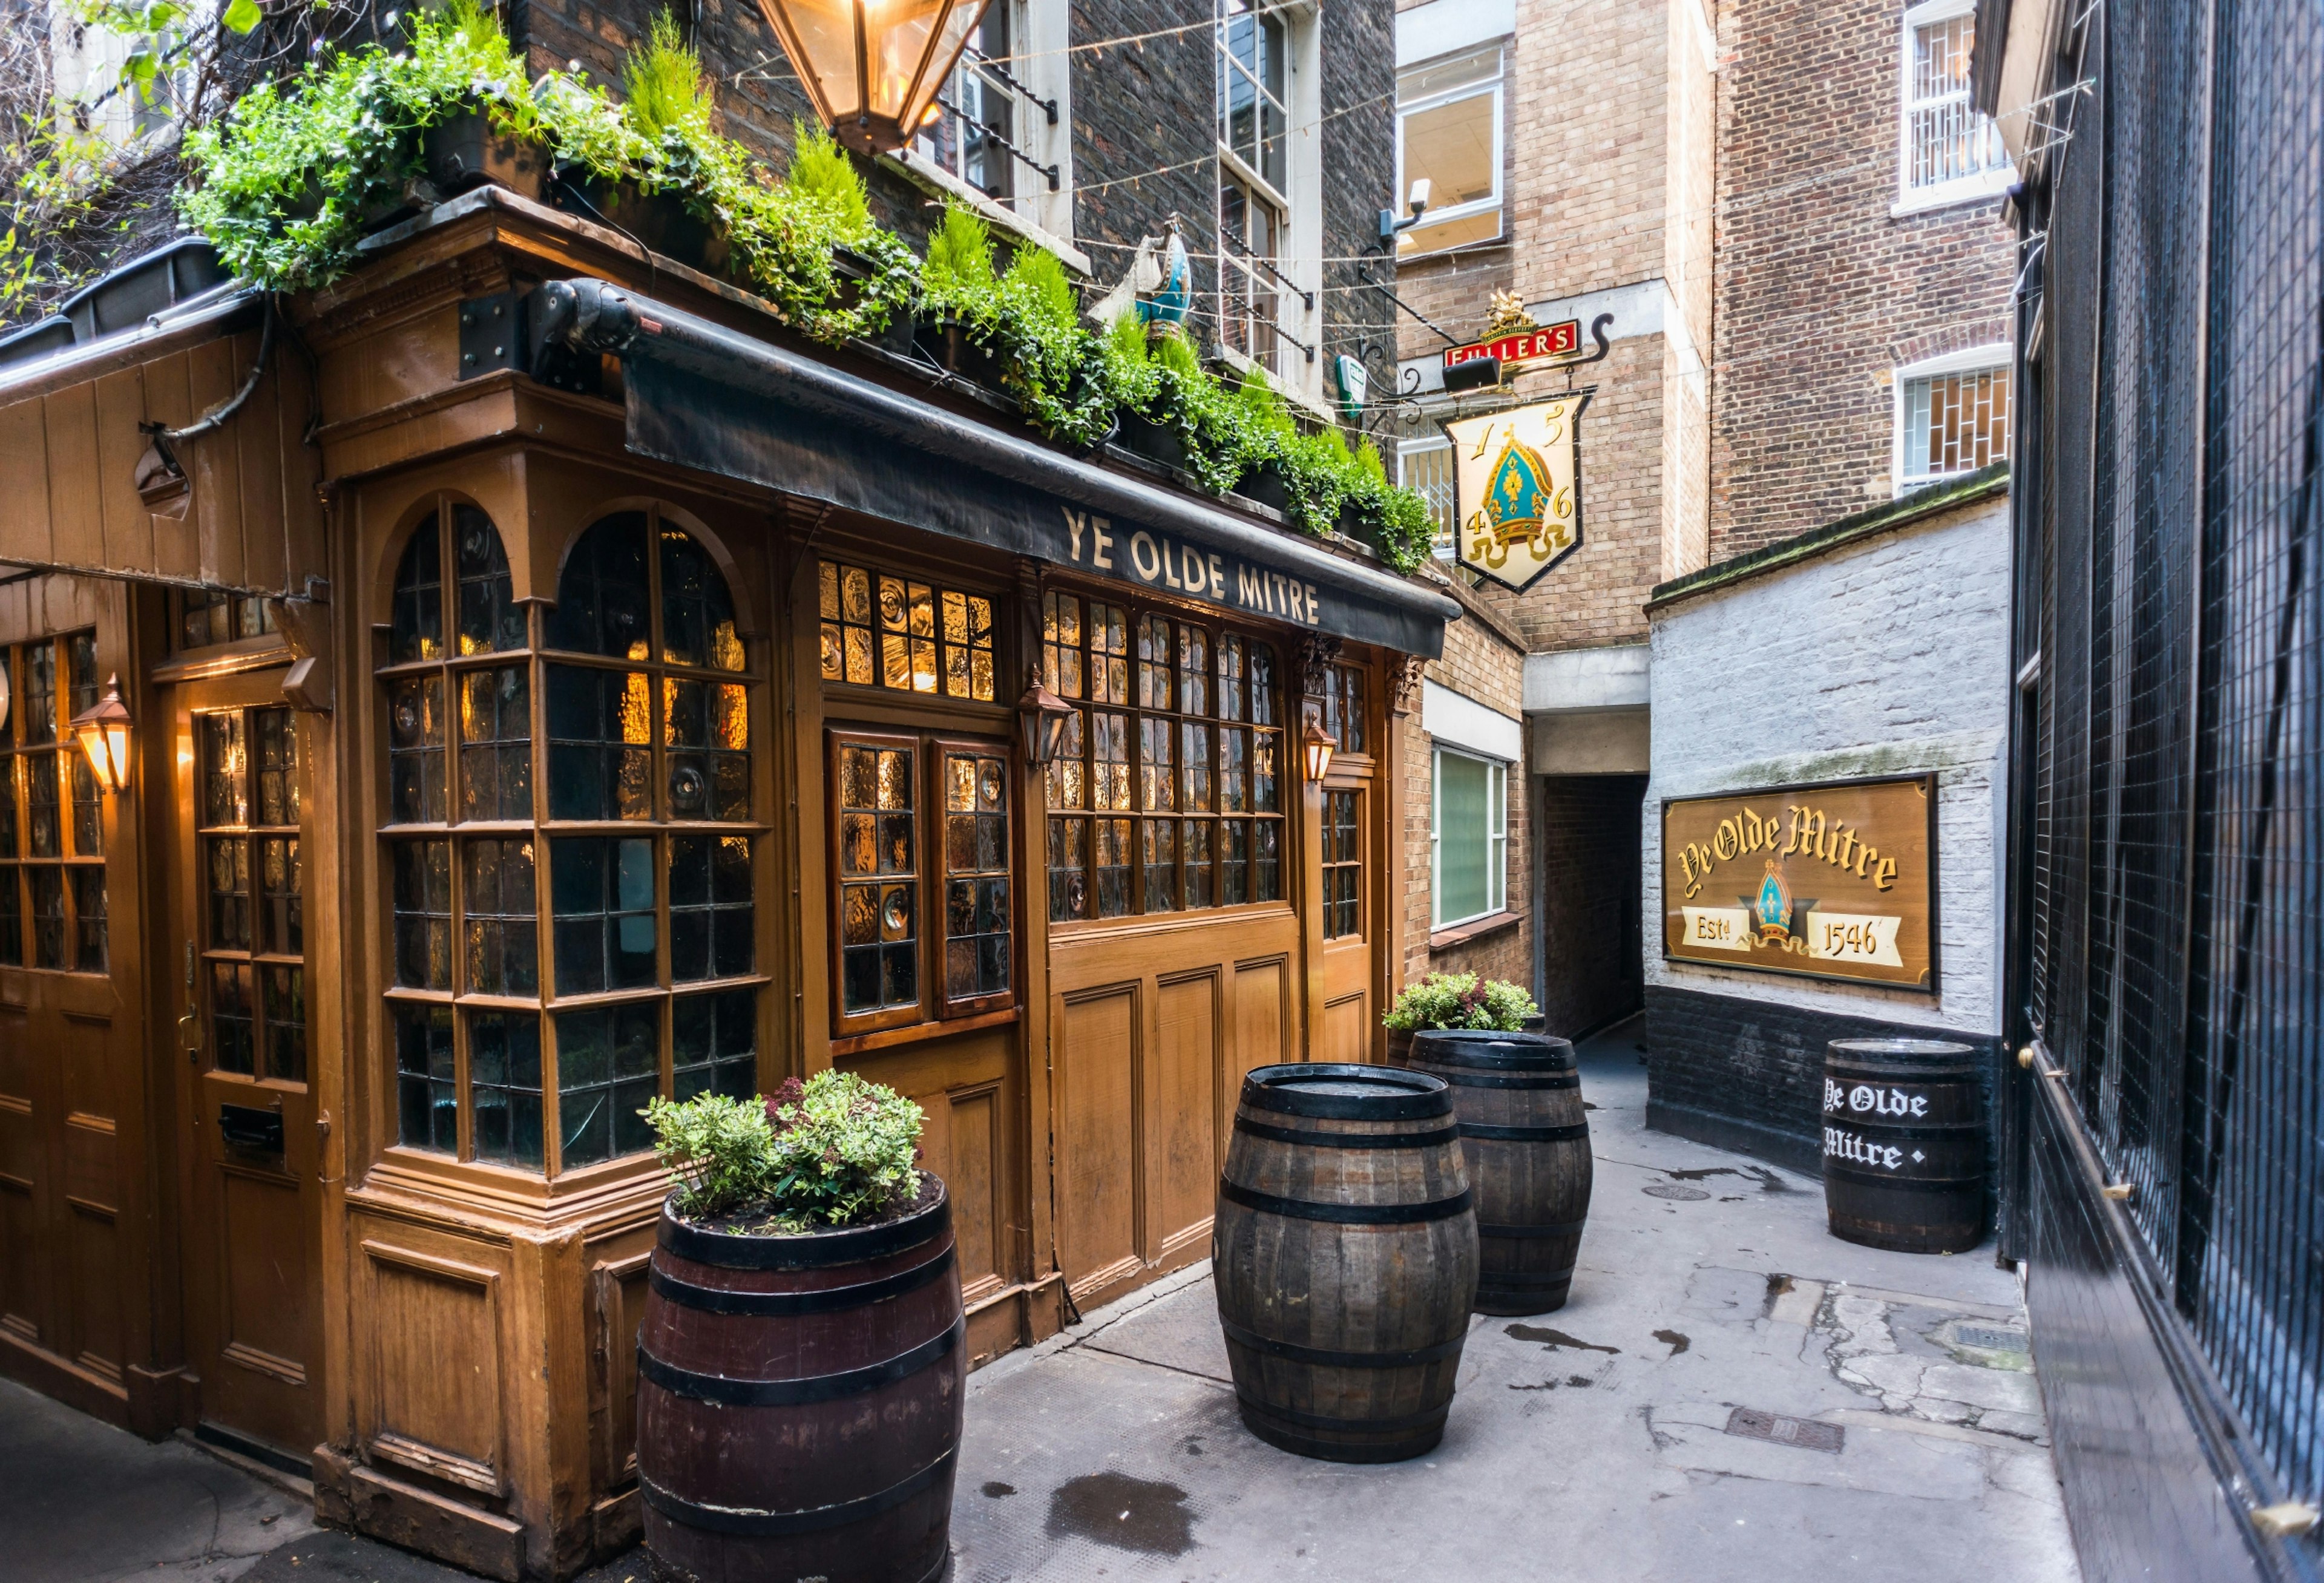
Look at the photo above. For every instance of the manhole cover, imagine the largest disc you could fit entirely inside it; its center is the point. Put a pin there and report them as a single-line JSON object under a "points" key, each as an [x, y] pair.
{"points": [[1805, 1434], [1989, 1339], [1671, 1189]]}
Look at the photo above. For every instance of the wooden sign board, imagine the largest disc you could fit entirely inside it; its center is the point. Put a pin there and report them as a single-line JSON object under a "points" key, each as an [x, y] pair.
{"points": [[1831, 881]]}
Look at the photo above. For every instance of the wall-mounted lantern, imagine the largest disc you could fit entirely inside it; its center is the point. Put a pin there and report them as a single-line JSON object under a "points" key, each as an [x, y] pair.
{"points": [[102, 731], [1042, 716], [1317, 742], [873, 68]]}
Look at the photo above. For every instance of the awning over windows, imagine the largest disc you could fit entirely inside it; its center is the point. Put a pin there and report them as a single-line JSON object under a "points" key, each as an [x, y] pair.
{"points": [[705, 397]]}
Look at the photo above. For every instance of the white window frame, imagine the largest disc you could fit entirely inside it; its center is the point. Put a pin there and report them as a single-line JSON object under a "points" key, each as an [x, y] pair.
{"points": [[1038, 59], [1496, 204], [1496, 838], [1299, 250], [1996, 354], [1912, 199], [1442, 543]]}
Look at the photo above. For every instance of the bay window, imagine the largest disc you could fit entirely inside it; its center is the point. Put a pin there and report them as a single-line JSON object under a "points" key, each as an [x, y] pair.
{"points": [[569, 845]]}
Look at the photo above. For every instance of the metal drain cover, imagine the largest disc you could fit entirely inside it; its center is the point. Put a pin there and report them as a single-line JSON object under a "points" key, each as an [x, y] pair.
{"points": [[1671, 1189], [1989, 1339], [1805, 1434]]}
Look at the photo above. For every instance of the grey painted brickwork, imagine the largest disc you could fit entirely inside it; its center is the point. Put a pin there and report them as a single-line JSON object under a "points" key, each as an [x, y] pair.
{"points": [[1889, 656]]}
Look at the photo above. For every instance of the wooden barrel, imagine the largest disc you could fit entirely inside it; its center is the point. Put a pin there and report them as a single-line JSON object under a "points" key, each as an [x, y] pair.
{"points": [[799, 1401], [1344, 1256], [1526, 1142], [1904, 1144]]}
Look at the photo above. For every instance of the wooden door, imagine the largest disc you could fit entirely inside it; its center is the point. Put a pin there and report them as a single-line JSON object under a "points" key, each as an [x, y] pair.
{"points": [[253, 1207]]}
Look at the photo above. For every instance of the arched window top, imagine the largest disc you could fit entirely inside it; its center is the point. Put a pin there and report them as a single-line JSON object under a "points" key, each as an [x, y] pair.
{"points": [[486, 618], [611, 592]]}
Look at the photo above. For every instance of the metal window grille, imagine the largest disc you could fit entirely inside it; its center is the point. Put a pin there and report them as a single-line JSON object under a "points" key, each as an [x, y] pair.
{"points": [[1955, 423], [1426, 466], [971, 137], [2176, 840], [1947, 139]]}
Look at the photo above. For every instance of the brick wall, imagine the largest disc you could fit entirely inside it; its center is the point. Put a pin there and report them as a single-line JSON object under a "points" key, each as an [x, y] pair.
{"points": [[1588, 899], [1144, 147], [1485, 665], [1821, 291]]}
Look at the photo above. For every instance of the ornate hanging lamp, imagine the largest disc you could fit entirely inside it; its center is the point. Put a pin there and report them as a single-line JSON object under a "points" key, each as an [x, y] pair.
{"points": [[873, 68]]}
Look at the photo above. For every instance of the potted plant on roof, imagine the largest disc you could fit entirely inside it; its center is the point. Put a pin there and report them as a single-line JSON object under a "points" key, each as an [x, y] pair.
{"points": [[800, 1369], [661, 200], [1454, 1001]]}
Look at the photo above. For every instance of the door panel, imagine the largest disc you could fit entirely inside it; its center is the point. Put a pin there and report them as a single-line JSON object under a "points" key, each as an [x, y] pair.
{"points": [[1350, 921], [1097, 1166], [1186, 1078], [252, 1208]]}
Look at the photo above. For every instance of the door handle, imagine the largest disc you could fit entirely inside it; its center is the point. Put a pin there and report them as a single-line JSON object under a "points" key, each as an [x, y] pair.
{"points": [[189, 1034]]}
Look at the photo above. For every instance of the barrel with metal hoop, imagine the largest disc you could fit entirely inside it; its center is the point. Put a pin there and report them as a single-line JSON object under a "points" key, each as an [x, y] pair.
{"points": [[799, 1400], [1525, 1141], [1905, 1144], [1344, 1256]]}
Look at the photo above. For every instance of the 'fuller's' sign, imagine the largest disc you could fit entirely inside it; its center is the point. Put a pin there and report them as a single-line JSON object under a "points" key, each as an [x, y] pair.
{"points": [[1557, 340]]}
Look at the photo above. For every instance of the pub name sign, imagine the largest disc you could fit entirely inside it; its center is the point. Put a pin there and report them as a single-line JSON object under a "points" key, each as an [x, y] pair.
{"points": [[1833, 882], [1529, 345]]}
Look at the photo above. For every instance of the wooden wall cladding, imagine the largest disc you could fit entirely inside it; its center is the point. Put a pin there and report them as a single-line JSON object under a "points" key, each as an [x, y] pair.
{"points": [[1152, 1029], [968, 1087], [249, 519], [434, 1350]]}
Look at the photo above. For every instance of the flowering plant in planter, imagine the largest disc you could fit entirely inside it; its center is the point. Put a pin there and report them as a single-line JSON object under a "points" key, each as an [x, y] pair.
{"points": [[835, 1150]]}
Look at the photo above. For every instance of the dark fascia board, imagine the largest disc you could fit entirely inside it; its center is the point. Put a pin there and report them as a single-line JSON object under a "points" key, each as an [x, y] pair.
{"points": [[1987, 483]]}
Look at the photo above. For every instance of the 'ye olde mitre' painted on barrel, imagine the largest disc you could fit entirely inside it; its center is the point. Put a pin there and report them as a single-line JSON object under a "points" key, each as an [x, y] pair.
{"points": [[1904, 1144], [799, 1400], [1344, 1255], [1526, 1142]]}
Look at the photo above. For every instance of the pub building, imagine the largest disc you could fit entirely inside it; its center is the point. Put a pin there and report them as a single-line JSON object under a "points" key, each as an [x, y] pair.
{"points": [[555, 685]]}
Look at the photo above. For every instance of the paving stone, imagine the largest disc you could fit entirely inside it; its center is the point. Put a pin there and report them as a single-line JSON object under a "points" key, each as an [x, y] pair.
{"points": [[2005, 1390]]}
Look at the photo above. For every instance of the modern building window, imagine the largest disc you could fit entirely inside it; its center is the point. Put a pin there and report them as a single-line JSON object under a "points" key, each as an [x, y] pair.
{"points": [[975, 124], [52, 903], [1425, 465], [1448, 133], [569, 847], [924, 918], [1168, 793], [1947, 150], [1468, 839], [1953, 416]]}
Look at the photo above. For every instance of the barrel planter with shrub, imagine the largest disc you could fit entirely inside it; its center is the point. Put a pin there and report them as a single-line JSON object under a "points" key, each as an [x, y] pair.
{"points": [[1904, 1144], [1456, 1000], [1526, 1143], [1344, 1256], [801, 1368]]}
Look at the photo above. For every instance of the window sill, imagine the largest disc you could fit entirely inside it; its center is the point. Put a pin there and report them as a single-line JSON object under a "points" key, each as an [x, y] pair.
{"points": [[1482, 929], [920, 1032], [1953, 195], [940, 182]]}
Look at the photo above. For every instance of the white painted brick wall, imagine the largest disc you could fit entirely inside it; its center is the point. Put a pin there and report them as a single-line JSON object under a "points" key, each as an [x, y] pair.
{"points": [[1888, 657]]}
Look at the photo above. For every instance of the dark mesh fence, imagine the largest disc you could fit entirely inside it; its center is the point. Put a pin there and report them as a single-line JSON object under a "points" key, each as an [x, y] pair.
{"points": [[2175, 967]]}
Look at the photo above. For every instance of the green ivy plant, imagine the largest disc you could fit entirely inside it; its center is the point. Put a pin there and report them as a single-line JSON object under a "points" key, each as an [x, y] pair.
{"points": [[1461, 1001], [285, 185]]}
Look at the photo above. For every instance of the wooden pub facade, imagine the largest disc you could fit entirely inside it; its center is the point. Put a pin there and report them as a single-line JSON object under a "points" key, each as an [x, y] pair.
{"points": [[554, 686]]}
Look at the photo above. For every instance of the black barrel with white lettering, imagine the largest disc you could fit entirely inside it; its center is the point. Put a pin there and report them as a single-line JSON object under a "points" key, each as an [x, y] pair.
{"points": [[1904, 1154]]}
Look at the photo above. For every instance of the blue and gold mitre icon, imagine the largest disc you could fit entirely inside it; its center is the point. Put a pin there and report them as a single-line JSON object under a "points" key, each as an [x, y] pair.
{"points": [[1516, 498], [1771, 909]]}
